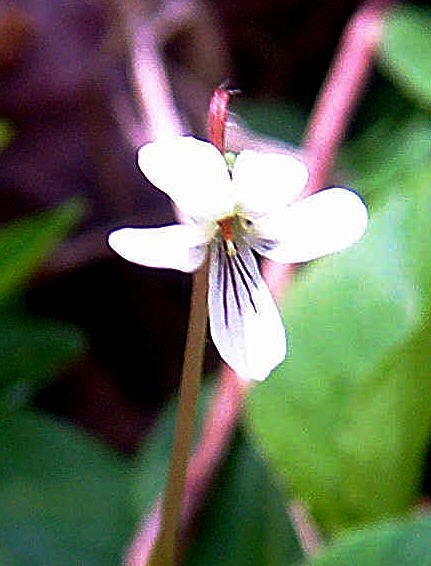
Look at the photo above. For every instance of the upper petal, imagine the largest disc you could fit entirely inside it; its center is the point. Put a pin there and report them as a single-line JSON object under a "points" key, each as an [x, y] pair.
{"points": [[323, 223], [266, 182], [192, 172], [174, 247], [245, 323]]}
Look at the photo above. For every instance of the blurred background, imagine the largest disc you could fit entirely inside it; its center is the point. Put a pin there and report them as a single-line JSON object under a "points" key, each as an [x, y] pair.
{"points": [[91, 345], [75, 122]]}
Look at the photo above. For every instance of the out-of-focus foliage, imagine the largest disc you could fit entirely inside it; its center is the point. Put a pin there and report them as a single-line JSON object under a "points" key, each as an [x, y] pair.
{"points": [[31, 350], [346, 420], [396, 138], [245, 519], [405, 51], [24, 243], [65, 498], [404, 543], [152, 461], [275, 119]]}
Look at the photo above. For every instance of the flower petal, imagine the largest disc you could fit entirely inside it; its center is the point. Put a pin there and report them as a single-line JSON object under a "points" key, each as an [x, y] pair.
{"points": [[266, 182], [244, 321], [173, 247], [324, 223], [192, 172]]}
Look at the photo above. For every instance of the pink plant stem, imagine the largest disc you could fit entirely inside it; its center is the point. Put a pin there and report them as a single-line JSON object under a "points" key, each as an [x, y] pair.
{"points": [[334, 107], [341, 90]]}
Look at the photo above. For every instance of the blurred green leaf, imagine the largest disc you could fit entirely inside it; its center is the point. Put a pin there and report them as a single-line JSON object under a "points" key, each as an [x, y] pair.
{"points": [[31, 351], [391, 136], [271, 118], [65, 498], [243, 500], [152, 460], [245, 521], [405, 51], [345, 420], [24, 243], [398, 141], [401, 543]]}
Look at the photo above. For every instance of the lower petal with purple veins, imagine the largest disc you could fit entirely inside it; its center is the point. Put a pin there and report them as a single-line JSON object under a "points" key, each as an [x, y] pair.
{"points": [[245, 323]]}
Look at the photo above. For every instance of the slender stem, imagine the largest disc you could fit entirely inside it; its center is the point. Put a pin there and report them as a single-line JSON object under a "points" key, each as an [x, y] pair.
{"points": [[164, 551], [345, 82]]}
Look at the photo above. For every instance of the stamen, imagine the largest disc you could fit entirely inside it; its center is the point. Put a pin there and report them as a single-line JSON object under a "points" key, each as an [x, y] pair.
{"points": [[231, 251]]}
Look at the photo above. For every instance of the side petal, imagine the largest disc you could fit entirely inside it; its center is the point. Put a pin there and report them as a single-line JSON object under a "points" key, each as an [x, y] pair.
{"points": [[266, 182], [173, 247], [244, 321], [192, 172], [324, 223]]}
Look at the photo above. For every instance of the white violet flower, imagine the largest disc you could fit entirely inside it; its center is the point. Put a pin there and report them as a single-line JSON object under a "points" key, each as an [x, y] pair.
{"points": [[228, 215]]}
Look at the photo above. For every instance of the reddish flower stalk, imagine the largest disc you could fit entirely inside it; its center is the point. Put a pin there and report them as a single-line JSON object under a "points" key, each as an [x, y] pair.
{"points": [[335, 105]]}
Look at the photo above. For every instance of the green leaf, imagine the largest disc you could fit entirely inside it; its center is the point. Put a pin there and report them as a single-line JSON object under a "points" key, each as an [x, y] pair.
{"points": [[65, 498], [272, 118], [346, 419], [31, 351], [152, 461], [392, 137], [25, 243], [242, 500], [402, 543], [375, 159], [405, 51], [245, 522]]}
